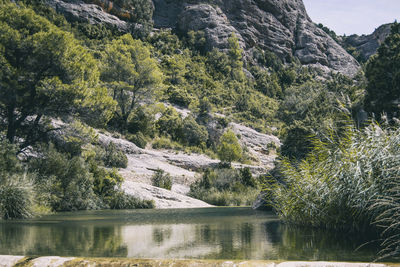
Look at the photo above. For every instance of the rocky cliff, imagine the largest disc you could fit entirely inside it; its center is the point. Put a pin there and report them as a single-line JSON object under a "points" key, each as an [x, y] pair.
{"points": [[367, 45], [280, 26]]}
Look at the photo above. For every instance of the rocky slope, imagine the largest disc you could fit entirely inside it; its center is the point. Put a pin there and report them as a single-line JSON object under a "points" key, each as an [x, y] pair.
{"points": [[367, 45], [184, 168], [282, 27]]}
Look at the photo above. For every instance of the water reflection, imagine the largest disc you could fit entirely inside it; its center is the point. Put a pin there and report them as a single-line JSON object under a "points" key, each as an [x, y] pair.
{"points": [[216, 233]]}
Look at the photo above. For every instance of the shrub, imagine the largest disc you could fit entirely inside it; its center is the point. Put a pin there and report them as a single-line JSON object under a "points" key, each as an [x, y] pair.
{"points": [[166, 143], [247, 177], [115, 157], [105, 181], [225, 187], [194, 134], [64, 182], [121, 200], [162, 179], [179, 96], [170, 123], [138, 139], [141, 121], [16, 197], [229, 148]]}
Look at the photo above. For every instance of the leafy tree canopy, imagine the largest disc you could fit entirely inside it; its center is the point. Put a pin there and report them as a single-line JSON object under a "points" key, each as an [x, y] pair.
{"points": [[383, 74], [44, 72], [229, 148], [130, 73]]}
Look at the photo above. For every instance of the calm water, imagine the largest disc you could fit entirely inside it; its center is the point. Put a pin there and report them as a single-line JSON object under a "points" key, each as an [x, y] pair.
{"points": [[212, 233]]}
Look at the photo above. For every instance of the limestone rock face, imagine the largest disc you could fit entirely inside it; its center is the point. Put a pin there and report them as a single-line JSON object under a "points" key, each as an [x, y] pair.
{"points": [[282, 27], [367, 45], [90, 13]]}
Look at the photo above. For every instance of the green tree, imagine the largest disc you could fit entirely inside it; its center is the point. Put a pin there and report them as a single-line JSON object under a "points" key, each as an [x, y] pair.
{"points": [[43, 72], [383, 74], [194, 134], [131, 74], [229, 148], [235, 58]]}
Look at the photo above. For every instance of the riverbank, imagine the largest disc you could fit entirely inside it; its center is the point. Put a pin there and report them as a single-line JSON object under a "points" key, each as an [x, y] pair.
{"points": [[21, 261]]}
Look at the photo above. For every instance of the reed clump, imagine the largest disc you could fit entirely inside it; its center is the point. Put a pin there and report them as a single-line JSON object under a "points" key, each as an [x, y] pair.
{"points": [[348, 181]]}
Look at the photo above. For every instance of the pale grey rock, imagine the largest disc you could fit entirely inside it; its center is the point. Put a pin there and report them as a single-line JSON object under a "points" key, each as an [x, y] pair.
{"points": [[76, 10], [259, 145], [163, 198], [50, 261], [212, 21], [367, 45], [282, 27], [9, 261]]}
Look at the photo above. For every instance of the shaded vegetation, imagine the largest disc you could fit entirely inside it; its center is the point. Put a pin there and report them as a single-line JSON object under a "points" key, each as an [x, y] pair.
{"points": [[226, 187]]}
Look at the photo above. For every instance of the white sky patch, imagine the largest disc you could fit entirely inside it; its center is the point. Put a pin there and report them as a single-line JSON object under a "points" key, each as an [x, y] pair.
{"points": [[353, 16]]}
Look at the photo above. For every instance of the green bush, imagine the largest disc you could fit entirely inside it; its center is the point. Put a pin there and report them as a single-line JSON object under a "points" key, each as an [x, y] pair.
{"points": [[229, 148], [162, 179], [179, 96], [194, 134], [115, 157], [120, 200], [105, 181], [141, 121], [138, 139], [226, 187], [64, 183], [16, 197], [170, 124], [166, 143]]}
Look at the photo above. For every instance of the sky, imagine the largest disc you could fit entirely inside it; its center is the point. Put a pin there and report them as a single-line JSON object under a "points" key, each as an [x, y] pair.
{"points": [[353, 16]]}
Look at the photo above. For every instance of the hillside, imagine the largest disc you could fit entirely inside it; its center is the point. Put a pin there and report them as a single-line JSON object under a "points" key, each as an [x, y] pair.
{"points": [[281, 27]]}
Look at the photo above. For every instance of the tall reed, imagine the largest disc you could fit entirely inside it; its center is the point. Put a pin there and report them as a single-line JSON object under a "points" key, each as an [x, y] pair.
{"points": [[348, 181]]}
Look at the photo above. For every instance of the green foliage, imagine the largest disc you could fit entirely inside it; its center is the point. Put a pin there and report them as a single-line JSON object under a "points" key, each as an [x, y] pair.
{"points": [[166, 143], [114, 157], [179, 96], [131, 74], [313, 108], [120, 200], [105, 181], [328, 31], [196, 41], [16, 189], [65, 83], [162, 179], [138, 139], [170, 124], [383, 74], [194, 134], [16, 197], [267, 83], [229, 148], [64, 183], [346, 182], [141, 120], [226, 187], [247, 177]]}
